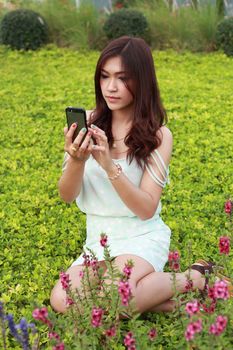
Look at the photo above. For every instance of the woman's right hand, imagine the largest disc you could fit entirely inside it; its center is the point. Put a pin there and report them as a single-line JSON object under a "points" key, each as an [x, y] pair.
{"points": [[82, 152]]}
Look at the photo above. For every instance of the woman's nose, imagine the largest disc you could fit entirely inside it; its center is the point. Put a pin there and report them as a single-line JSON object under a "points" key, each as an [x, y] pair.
{"points": [[112, 86]]}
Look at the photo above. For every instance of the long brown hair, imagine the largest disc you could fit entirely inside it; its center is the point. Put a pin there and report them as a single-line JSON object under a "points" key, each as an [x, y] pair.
{"points": [[149, 113]]}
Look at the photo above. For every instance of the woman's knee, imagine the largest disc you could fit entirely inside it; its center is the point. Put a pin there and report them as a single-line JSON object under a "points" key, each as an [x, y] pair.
{"points": [[58, 299]]}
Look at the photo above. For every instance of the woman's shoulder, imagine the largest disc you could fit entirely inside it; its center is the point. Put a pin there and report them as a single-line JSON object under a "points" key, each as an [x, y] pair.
{"points": [[89, 113], [165, 133], [165, 147]]}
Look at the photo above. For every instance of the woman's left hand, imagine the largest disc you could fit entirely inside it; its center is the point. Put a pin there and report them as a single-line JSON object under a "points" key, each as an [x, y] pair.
{"points": [[103, 157]]}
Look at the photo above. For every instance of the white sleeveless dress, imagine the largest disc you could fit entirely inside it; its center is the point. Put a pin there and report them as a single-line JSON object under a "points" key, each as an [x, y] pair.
{"points": [[107, 213]]}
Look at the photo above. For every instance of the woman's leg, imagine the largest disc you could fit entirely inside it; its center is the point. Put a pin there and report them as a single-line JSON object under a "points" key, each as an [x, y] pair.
{"points": [[152, 290], [58, 294], [167, 306]]}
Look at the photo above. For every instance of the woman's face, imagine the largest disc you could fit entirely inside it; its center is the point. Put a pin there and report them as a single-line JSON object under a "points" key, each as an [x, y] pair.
{"points": [[113, 83]]}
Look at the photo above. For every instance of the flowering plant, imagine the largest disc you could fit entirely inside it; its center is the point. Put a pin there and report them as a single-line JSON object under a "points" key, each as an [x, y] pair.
{"points": [[25, 333], [210, 315], [101, 313], [96, 310]]}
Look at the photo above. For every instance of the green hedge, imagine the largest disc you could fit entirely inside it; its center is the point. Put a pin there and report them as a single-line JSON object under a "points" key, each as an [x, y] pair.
{"points": [[39, 234]]}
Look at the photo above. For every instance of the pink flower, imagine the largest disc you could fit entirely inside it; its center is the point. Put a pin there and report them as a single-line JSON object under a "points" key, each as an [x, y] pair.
{"points": [[224, 245], [221, 290], [42, 315], [152, 334], [81, 274], [94, 264], [189, 285], [97, 314], [175, 266], [87, 261], [213, 329], [60, 346], [189, 333], [211, 293], [192, 307], [174, 256], [111, 332], [209, 309], [192, 329], [129, 341], [69, 301], [65, 280], [219, 326], [128, 269], [228, 207], [125, 292], [53, 335], [174, 260], [197, 326], [221, 322], [103, 240]]}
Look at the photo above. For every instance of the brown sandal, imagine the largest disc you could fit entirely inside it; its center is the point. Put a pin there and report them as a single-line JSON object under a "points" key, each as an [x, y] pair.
{"points": [[208, 267]]}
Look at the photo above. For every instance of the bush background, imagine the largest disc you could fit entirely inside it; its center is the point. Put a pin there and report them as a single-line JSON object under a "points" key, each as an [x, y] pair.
{"points": [[81, 28], [39, 234]]}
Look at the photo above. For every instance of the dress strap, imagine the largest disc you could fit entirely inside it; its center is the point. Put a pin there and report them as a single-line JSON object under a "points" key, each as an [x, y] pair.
{"points": [[159, 166]]}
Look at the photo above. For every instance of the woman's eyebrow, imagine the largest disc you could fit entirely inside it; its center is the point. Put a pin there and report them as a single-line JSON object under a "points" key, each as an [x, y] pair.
{"points": [[120, 72]]}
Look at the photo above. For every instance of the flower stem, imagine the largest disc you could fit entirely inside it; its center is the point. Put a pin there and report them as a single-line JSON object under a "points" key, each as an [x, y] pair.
{"points": [[3, 334]]}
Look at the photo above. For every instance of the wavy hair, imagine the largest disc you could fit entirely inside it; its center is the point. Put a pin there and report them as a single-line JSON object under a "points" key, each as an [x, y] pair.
{"points": [[149, 113]]}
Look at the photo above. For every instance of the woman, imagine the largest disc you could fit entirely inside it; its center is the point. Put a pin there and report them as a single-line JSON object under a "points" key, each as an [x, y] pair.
{"points": [[118, 173]]}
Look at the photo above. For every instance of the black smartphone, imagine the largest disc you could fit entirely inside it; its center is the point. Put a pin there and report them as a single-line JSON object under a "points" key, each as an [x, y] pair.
{"points": [[78, 116]]}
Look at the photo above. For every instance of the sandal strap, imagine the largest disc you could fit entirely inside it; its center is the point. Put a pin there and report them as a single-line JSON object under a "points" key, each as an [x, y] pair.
{"points": [[204, 270]]}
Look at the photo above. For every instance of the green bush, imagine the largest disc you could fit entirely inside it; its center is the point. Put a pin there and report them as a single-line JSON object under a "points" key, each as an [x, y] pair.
{"points": [[23, 29], [126, 22], [183, 28], [70, 26], [224, 36]]}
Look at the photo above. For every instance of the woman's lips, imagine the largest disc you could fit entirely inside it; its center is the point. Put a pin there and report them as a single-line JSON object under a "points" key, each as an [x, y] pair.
{"points": [[112, 98]]}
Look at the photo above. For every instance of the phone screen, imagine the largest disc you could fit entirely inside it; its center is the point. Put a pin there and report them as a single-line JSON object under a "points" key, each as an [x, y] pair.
{"points": [[78, 116]]}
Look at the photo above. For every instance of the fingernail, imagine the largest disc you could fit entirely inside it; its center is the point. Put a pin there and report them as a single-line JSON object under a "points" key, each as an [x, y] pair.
{"points": [[94, 146], [74, 125], [84, 130], [93, 126]]}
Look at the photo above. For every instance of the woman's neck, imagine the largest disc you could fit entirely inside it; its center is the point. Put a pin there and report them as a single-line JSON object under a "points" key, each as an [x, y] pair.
{"points": [[121, 120]]}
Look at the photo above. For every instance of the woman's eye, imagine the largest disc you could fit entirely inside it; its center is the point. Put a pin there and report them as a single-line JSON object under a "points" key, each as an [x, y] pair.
{"points": [[103, 76], [123, 78]]}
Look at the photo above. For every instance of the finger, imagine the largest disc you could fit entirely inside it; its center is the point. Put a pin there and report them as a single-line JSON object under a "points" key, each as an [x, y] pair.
{"points": [[80, 136], [65, 130], [69, 135], [73, 148], [70, 132], [89, 148], [100, 137], [98, 148], [95, 128], [86, 141]]}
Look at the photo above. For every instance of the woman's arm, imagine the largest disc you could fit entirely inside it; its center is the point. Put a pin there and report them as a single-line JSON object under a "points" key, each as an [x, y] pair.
{"points": [[71, 180], [143, 201]]}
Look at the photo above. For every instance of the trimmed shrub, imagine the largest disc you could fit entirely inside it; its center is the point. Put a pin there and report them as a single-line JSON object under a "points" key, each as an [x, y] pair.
{"points": [[126, 22], [224, 36], [23, 29]]}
